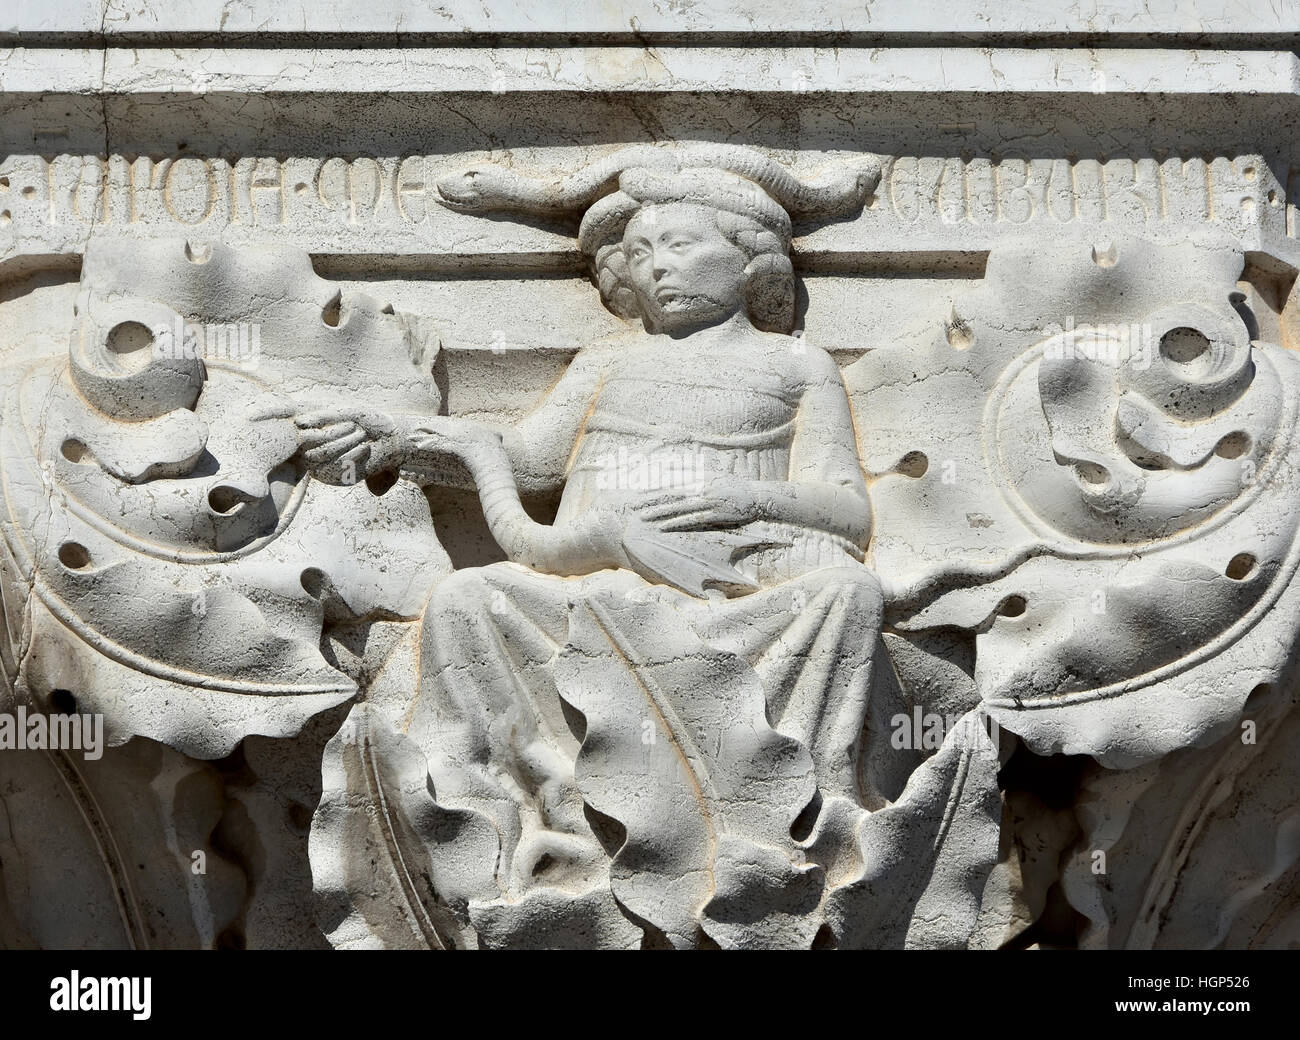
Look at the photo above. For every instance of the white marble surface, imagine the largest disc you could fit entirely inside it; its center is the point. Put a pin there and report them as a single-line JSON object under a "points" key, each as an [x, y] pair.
{"points": [[649, 475], [1151, 19]]}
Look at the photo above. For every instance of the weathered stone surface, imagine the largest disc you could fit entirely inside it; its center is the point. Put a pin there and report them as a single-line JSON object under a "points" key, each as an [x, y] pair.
{"points": [[743, 477]]}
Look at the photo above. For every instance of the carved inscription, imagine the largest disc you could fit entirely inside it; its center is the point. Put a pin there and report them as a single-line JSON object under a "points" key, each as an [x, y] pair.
{"points": [[203, 192]]}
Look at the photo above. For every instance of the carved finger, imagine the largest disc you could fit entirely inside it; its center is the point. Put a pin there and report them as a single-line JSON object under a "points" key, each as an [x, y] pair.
{"points": [[645, 507], [334, 449], [280, 410], [323, 416], [314, 438], [677, 505], [356, 456], [705, 518]]}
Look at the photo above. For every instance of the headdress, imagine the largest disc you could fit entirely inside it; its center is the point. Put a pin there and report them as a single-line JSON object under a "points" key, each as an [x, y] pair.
{"points": [[727, 178]]}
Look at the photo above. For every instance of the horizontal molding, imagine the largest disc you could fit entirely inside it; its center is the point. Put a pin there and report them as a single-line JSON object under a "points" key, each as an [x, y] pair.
{"points": [[788, 71], [172, 20], [1243, 40]]}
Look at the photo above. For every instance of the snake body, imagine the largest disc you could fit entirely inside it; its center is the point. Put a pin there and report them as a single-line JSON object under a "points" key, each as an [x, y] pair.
{"points": [[485, 188]]}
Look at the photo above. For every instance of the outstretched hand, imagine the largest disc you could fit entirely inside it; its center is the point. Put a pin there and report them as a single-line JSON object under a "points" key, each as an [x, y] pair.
{"points": [[448, 435], [342, 445]]}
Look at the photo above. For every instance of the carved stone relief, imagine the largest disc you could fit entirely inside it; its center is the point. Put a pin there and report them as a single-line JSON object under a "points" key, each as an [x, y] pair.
{"points": [[684, 542]]}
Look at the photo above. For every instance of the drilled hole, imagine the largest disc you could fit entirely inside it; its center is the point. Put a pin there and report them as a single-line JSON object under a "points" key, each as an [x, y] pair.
{"points": [[313, 582], [381, 483], [1012, 606], [225, 499], [62, 702], [198, 252], [913, 464], [1233, 446], [130, 343], [1104, 254], [333, 311], [960, 335], [129, 337], [73, 450], [1091, 473], [1241, 567], [1182, 346], [74, 556]]}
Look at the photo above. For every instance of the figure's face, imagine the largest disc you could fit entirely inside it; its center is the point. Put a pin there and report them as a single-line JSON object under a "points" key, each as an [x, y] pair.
{"points": [[687, 274]]}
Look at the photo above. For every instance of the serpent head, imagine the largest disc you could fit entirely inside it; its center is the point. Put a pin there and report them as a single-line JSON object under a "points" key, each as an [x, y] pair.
{"points": [[478, 187]]}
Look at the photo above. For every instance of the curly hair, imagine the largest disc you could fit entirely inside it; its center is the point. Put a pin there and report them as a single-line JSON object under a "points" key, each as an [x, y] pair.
{"points": [[744, 213]]}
